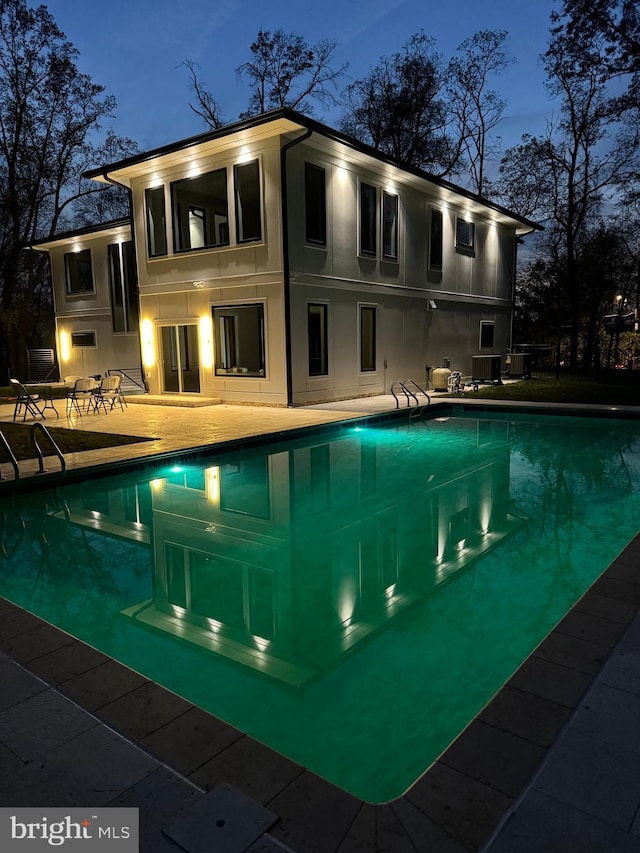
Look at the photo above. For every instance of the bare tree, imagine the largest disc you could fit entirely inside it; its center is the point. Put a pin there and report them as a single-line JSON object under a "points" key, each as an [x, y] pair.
{"points": [[284, 71], [586, 158], [399, 108], [206, 105], [477, 108], [287, 71], [50, 114]]}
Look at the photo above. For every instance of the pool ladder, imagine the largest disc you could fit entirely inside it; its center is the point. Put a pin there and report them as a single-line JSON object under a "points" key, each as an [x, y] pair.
{"points": [[411, 391], [38, 427]]}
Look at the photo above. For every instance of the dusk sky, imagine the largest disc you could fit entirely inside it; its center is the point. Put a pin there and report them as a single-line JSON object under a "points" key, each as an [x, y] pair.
{"points": [[134, 48]]}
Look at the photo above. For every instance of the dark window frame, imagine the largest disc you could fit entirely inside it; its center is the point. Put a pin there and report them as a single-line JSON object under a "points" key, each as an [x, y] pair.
{"points": [[390, 235], [123, 287], [179, 206], [227, 351], [436, 227], [319, 354], [154, 230], [256, 201], [368, 359], [483, 342], [315, 204], [367, 226], [75, 335], [465, 237], [77, 270]]}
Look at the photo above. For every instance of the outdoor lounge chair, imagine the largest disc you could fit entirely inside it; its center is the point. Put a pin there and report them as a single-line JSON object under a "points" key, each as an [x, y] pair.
{"points": [[81, 396], [108, 393], [31, 403]]}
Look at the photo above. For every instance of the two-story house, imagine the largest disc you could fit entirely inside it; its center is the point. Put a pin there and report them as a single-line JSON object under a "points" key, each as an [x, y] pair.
{"points": [[279, 261]]}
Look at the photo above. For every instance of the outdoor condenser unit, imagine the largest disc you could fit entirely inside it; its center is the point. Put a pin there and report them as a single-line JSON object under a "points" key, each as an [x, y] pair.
{"points": [[485, 368], [520, 364]]}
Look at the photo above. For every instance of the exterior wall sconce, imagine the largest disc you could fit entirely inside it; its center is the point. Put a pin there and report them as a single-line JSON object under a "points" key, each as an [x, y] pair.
{"points": [[198, 285]]}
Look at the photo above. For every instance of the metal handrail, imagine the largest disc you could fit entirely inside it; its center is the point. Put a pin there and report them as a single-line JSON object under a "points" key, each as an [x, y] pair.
{"points": [[11, 456], [123, 372], [50, 439], [419, 390], [408, 392]]}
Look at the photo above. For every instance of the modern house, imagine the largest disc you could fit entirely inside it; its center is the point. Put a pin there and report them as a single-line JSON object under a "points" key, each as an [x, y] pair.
{"points": [[279, 261]]}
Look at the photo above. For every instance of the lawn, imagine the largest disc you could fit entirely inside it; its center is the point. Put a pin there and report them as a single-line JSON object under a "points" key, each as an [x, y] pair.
{"points": [[68, 440], [560, 391]]}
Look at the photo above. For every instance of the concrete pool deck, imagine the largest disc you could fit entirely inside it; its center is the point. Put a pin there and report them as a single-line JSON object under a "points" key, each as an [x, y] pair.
{"points": [[551, 764]]}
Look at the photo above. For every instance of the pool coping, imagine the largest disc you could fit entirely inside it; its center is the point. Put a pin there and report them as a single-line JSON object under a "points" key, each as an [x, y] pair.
{"points": [[457, 803]]}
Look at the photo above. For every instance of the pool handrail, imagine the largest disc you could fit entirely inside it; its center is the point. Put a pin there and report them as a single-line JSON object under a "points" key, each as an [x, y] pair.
{"points": [[34, 442], [11, 456]]}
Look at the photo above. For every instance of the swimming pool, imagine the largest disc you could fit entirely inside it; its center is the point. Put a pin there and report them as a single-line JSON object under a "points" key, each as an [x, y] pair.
{"points": [[352, 598]]}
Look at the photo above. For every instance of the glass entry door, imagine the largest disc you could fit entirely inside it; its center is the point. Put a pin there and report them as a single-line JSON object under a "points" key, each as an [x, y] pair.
{"points": [[181, 359]]}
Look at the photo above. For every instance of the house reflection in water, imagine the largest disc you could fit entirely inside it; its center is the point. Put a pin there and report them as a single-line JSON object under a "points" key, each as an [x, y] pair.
{"points": [[285, 561]]}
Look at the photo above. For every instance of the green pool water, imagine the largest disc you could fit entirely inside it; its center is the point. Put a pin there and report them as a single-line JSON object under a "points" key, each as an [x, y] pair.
{"points": [[351, 599]]}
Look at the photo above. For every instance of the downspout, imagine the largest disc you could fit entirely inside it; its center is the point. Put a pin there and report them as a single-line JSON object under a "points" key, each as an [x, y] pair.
{"points": [[285, 259], [115, 183]]}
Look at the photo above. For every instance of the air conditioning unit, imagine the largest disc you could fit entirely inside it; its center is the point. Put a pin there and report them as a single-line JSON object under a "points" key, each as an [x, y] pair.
{"points": [[485, 368], [518, 364]]}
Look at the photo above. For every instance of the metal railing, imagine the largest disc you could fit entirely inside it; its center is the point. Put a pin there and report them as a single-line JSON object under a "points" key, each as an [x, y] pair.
{"points": [[11, 457], [132, 378], [411, 391], [34, 442]]}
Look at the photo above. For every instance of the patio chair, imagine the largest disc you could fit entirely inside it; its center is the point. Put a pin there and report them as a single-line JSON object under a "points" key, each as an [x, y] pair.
{"points": [[80, 397], [108, 393], [31, 403]]}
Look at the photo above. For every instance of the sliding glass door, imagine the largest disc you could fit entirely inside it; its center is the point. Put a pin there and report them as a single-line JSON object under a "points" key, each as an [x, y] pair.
{"points": [[180, 359]]}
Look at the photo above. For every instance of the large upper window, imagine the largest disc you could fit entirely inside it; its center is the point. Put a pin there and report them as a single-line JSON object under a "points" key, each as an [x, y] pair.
{"points": [[435, 240], [317, 335], [156, 222], [200, 211], [239, 336], [78, 271], [368, 219], [315, 204], [465, 236], [367, 338], [389, 226], [124, 287], [247, 189]]}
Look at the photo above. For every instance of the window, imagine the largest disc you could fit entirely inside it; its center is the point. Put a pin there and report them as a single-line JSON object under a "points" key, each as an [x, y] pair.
{"points": [[368, 219], [239, 335], [78, 271], [487, 329], [124, 290], [435, 240], [201, 211], [317, 336], [367, 338], [315, 205], [465, 237], [156, 222], [83, 339], [389, 226], [248, 214]]}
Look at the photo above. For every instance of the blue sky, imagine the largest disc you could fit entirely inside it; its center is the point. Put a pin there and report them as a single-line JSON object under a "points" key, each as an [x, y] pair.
{"points": [[134, 48]]}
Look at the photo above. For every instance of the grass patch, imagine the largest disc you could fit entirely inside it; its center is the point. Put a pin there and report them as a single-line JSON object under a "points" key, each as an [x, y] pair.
{"points": [[559, 391], [68, 440]]}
